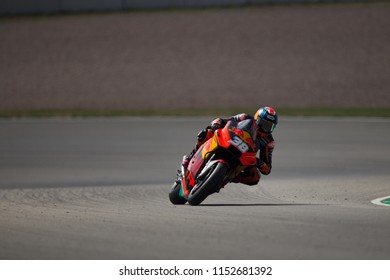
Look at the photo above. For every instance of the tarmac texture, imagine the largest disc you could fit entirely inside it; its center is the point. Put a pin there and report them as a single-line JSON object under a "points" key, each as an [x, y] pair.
{"points": [[98, 189]]}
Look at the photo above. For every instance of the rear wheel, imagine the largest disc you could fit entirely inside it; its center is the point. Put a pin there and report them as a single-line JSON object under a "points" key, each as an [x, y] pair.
{"points": [[174, 194], [213, 179]]}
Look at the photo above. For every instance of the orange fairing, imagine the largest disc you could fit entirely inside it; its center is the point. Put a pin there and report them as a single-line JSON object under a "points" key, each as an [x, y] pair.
{"points": [[231, 136], [210, 146], [244, 135], [235, 140], [249, 159], [242, 140]]}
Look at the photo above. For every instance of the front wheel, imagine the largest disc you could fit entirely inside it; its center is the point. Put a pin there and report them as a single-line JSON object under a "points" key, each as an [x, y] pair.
{"points": [[212, 181], [174, 194]]}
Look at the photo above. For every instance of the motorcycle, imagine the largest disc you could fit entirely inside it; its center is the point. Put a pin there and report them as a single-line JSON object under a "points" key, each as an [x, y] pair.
{"points": [[217, 162]]}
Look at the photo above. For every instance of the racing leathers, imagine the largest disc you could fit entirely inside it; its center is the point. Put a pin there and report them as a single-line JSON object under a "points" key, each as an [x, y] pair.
{"points": [[264, 144]]}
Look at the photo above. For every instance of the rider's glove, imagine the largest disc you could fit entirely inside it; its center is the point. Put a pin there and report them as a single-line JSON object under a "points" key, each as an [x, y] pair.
{"points": [[215, 124], [259, 163], [263, 167]]}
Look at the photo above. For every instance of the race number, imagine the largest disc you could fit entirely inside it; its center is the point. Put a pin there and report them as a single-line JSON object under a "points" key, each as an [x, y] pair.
{"points": [[241, 145]]}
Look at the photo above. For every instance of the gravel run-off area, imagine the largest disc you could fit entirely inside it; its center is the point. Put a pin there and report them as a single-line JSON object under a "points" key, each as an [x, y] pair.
{"points": [[282, 56]]}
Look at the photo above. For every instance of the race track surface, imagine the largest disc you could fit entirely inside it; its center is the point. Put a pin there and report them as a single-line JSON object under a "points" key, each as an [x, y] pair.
{"points": [[98, 189]]}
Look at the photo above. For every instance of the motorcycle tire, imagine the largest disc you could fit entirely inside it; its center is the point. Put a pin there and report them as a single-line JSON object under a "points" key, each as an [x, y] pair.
{"points": [[174, 194], [208, 185]]}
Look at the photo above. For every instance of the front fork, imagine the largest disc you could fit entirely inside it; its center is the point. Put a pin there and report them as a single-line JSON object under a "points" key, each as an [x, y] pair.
{"points": [[233, 172], [228, 177]]}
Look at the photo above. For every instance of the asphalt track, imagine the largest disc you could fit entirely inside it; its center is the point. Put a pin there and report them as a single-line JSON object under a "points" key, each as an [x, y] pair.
{"points": [[98, 189]]}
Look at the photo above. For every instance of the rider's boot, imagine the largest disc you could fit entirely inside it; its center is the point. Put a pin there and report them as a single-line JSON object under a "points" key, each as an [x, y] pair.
{"points": [[250, 176]]}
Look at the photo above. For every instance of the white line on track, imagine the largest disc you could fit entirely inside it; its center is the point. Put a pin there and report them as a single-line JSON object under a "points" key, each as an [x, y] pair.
{"points": [[378, 201]]}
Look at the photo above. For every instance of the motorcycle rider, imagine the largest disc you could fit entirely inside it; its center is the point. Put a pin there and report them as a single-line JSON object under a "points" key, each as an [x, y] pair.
{"points": [[265, 120]]}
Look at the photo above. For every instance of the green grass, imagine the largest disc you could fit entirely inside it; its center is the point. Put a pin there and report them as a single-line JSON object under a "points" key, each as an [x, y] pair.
{"points": [[383, 112]]}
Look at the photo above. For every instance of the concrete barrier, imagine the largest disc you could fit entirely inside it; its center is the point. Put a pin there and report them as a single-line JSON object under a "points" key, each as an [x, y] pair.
{"points": [[10, 7]]}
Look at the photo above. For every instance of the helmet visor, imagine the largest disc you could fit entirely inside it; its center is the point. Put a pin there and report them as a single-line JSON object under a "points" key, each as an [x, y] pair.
{"points": [[266, 126]]}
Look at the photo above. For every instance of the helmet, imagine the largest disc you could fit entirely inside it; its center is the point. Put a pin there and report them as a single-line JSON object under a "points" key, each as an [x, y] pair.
{"points": [[266, 119]]}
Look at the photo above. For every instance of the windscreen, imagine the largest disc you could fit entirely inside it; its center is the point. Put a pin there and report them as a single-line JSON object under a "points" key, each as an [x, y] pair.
{"points": [[249, 126]]}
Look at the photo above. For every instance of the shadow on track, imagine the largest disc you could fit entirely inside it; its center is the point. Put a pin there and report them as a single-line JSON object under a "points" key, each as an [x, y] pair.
{"points": [[255, 204]]}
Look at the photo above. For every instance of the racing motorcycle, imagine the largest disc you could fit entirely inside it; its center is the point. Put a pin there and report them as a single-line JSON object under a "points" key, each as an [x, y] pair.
{"points": [[217, 162]]}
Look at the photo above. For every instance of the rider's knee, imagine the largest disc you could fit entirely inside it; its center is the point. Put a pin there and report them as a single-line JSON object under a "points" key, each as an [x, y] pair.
{"points": [[250, 177]]}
